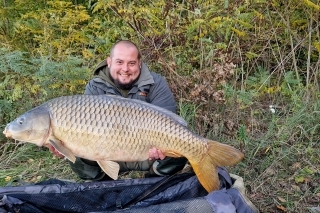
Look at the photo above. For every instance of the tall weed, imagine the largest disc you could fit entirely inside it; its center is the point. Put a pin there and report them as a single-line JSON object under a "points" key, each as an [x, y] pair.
{"points": [[27, 82]]}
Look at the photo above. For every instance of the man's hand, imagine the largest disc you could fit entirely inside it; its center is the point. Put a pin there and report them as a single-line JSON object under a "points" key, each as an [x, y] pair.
{"points": [[155, 154], [54, 151]]}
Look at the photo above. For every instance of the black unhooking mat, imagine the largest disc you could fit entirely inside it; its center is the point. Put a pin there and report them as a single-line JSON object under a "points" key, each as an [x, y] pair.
{"points": [[180, 193]]}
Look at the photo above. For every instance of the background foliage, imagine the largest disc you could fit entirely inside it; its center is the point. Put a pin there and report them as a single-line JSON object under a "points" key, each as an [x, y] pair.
{"points": [[244, 72]]}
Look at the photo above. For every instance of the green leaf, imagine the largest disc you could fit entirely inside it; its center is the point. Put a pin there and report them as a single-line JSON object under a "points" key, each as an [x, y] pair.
{"points": [[299, 179], [251, 55]]}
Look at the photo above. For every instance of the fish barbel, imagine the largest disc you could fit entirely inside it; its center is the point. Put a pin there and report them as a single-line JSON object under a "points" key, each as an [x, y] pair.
{"points": [[106, 128]]}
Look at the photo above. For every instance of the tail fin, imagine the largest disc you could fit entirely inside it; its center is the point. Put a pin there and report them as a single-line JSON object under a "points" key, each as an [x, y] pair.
{"points": [[218, 154]]}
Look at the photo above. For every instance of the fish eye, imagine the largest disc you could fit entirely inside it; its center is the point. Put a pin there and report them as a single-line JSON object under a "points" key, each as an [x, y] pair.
{"points": [[21, 120]]}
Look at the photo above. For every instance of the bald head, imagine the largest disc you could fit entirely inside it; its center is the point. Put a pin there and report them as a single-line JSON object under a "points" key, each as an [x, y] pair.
{"points": [[127, 44]]}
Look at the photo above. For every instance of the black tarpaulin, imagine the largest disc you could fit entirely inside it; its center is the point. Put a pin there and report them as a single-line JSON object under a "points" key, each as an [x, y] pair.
{"points": [[180, 193]]}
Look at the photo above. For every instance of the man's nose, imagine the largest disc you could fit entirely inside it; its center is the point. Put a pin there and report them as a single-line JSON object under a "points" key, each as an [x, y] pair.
{"points": [[125, 67]]}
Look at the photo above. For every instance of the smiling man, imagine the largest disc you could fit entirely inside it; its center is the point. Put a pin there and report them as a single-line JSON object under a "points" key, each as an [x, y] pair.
{"points": [[124, 65], [123, 73]]}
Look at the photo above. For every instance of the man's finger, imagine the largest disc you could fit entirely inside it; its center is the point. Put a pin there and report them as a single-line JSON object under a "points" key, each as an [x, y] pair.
{"points": [[152, 153], [156, 154]]}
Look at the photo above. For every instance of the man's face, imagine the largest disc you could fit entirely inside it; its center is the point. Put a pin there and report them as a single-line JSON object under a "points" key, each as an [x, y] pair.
{"points": [[124, 65]]}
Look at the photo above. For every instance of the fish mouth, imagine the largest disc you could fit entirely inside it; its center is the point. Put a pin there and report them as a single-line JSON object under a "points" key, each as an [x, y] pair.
{"points": [[6, 132]]}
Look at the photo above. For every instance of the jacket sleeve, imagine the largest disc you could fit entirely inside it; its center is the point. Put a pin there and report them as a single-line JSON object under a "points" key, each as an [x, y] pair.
{"points": [[93, 87], [161, 95]]}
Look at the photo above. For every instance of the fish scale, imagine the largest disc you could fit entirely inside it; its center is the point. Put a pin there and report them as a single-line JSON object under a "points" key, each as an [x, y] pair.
{"points": [[107, 129], [119, 119]]}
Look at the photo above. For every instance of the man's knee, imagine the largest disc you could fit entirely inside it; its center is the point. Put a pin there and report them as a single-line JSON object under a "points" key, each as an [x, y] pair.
{"points": [[168, 166], [86, 169]]}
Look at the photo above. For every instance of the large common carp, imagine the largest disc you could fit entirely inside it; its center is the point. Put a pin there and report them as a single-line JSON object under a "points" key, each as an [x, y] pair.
{"points": [[107, 128]]}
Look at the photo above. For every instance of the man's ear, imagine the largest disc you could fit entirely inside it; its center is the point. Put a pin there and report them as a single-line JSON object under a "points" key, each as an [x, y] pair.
{"points": [[109, 61]]}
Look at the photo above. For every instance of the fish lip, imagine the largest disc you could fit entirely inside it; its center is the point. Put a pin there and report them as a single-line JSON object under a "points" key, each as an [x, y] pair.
{"points": [[6, 132]]}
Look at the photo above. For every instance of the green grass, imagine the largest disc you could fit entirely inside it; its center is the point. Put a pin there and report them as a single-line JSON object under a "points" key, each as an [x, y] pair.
{"points": [[281, 169], [27, 163]]}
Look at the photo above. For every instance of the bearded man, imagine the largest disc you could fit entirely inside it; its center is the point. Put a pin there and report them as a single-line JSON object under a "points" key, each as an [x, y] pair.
{"points": [[123, 73]]}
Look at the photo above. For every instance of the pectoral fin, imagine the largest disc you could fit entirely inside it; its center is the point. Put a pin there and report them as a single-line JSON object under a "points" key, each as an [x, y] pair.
{"points": [[62, 149], [110, 168]]}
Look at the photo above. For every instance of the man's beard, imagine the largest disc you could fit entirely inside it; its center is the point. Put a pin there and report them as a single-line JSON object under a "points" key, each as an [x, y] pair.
{"points": [[120, 85]]}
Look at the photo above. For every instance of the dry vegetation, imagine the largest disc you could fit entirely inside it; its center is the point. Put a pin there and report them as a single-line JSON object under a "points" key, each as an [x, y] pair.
{"points": [[245, 73]]}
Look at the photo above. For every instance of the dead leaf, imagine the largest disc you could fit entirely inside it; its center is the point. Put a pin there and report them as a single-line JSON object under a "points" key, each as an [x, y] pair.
{"points": [[267, 150], [282, 199], [30, 160], [270, 172], [282, 208], [296, 165], [295, 187]]}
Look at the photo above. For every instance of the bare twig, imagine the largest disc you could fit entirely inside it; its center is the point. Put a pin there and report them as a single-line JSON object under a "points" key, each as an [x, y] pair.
{"points": [[309, 53]]}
